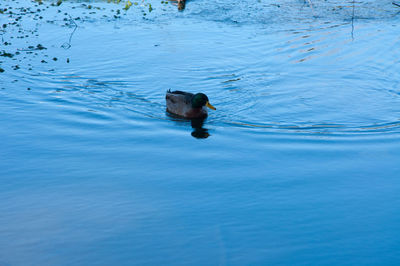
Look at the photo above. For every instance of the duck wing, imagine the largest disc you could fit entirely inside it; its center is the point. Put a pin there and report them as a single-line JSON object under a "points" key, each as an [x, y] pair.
{"points": [[180, 97], [187, 95], [179, 102]]}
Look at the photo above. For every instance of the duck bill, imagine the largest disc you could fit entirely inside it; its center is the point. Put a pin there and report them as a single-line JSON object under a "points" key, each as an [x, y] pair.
{"points": [[210, 106]]}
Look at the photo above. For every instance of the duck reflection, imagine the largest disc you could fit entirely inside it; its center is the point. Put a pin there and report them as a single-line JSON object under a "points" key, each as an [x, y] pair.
{"points": [[199, 132]]}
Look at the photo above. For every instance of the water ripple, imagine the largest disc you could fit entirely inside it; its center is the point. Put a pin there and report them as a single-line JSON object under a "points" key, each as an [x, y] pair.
{"points": [[322, 73]]}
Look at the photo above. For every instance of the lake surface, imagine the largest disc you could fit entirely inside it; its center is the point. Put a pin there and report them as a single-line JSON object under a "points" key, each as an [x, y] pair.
{"points": [[298, 165]]}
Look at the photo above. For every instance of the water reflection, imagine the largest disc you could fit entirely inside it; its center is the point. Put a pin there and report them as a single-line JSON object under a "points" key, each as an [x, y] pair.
{"points": [[199, 132]]}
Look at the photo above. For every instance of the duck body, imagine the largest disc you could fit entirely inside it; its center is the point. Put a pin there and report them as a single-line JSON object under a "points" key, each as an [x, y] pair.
{"points": [[187, 104], [181, 4]]}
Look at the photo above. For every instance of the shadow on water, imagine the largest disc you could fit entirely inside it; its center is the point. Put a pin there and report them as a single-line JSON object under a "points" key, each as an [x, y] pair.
{"points": [[199, 132]]}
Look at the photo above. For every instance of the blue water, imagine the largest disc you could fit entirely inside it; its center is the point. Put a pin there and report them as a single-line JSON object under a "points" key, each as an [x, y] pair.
{"points": [[298, 165]]}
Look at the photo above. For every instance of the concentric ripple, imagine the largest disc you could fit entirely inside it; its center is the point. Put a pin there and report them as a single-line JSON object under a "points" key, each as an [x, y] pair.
{"points": [[331, 67]]}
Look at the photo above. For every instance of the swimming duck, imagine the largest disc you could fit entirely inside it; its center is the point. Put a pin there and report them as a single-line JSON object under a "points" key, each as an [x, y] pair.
{"points": [[187, 104], [181, 4]]}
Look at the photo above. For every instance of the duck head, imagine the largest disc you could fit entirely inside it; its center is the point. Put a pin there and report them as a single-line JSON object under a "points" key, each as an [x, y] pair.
{"points": [[199, 100]]}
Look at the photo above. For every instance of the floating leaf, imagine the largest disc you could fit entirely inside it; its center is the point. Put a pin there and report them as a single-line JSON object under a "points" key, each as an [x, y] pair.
{"points": [[128, 5], [5, 54], [40, 47]]}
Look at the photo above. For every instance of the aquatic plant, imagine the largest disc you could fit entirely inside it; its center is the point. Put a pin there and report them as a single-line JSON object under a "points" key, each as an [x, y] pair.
{"points": [[18, 17], [128, 5]]}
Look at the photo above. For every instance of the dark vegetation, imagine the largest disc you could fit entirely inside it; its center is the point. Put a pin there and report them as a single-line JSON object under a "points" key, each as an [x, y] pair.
{"points": [[22, 47], [20, 21]]}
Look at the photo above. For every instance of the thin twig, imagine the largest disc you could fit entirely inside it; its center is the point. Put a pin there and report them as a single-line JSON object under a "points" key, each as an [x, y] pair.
{"points": [[68, 45]]}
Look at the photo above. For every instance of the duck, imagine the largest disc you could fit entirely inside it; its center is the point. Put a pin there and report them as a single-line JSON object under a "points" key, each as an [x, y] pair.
{"points": [[181, 4], [188, 105]]}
